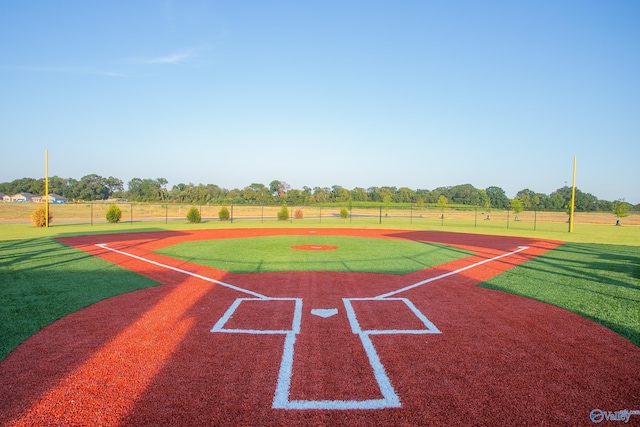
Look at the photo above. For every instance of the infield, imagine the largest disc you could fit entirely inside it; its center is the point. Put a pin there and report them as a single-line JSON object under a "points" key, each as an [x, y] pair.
{"points": [[351, 254]]}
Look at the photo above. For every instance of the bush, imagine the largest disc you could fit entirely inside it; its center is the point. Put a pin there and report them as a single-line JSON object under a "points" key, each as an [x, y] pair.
{"points": [[114, 214], [224, 214], [298, 214], [193, 216], [283, 213], [39, 216], [344, 213]]}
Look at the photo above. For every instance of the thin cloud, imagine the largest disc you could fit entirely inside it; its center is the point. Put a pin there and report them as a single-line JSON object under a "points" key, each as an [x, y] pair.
{"points": [[174, 58]]}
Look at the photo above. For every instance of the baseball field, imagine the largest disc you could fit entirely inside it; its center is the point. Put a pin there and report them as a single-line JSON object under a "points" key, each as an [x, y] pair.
{"points": [[295, 323]]}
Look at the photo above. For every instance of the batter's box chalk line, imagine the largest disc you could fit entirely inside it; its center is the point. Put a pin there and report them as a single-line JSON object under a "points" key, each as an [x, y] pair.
{"points": [[281, 397]]}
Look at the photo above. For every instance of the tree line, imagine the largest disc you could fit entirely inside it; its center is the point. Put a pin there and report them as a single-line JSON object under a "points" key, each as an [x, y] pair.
{"points": [[95, 187]]}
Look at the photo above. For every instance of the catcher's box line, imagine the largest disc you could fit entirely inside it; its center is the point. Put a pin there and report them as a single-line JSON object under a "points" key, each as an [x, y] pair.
{"points": [[282, 393]]}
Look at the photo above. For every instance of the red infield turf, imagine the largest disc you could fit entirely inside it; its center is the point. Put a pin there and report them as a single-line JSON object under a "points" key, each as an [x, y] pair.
{"points": [[315, 348]]}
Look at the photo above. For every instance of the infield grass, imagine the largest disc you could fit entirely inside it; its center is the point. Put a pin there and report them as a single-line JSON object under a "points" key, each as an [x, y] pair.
{"points": [[353, 254]]}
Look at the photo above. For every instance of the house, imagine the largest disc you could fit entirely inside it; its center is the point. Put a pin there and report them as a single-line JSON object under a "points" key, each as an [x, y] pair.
{"points": [[55, 198], [22, 197], [2, 196]]}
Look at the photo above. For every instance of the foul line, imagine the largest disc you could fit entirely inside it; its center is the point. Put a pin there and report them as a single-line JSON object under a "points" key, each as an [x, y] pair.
{"points": [[450, 273], [282, 393], [179, 270]]}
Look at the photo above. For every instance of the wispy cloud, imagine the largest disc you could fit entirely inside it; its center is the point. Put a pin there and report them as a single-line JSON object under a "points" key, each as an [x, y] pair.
{"points": [[174, 58], [62, 70]]}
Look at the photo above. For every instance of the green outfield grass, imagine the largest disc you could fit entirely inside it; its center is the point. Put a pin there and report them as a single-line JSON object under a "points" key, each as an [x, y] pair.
{"points": [[596, 273], [600, 282], [354, 254]]}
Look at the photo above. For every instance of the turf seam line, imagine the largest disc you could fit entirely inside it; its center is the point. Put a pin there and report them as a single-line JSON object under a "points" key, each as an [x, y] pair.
{"points": [[179, 270]]}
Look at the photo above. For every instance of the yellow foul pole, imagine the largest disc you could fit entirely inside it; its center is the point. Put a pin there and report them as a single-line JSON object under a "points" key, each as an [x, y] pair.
{"points": [[573, 196], [46, 188]]}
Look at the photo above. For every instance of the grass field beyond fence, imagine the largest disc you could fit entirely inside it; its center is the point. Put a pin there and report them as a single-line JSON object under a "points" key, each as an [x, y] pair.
{"points": [[463, 216]]}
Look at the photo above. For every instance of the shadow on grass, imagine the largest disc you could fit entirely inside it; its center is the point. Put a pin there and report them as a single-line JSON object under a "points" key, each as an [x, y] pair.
{"points": [[599, 282], [42, 280]]}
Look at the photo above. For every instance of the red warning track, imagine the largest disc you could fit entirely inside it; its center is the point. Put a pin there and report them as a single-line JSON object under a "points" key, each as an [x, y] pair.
{"points": [[150, 357]]}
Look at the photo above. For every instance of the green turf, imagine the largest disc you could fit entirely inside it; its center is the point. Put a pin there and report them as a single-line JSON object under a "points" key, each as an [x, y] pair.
{"points": [[42, 280], [600, 282], [354, 254]]}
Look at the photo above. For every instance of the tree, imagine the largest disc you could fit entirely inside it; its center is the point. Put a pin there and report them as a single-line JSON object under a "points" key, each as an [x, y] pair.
{"points": [[465, 194], [516, 206], [620, 209], [224, 214], [283, 213], [92, 187], [114, 185], [193, 216], [498, 198], [39, 215], [114, 214]]}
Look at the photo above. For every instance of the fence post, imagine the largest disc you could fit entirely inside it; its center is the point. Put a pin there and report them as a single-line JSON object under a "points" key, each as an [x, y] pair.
{"points": [[166, 214], [380, 214], [91, 213], [262, 213], [507, 219], [475, 219], [231, 216], [411, 214], [442, 216], [535, 218], [130, 214]]}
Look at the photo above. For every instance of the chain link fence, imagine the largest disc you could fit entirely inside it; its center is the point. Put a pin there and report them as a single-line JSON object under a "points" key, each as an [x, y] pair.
{"points": [[424, 217]]}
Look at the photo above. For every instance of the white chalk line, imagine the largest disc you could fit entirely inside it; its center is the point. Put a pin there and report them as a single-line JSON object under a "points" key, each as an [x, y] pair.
{"points": [[451, 273], [281, 396], [188, 273]]}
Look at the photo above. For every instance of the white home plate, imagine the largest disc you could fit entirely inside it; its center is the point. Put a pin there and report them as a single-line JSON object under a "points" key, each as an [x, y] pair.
{"points": [[324, 312]]}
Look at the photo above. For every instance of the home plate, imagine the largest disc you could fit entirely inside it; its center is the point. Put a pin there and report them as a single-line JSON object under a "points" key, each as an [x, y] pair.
{"points": [[324, 312]]}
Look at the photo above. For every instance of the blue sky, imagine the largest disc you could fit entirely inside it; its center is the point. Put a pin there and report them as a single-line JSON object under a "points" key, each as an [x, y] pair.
{"points": [[417, 94]]}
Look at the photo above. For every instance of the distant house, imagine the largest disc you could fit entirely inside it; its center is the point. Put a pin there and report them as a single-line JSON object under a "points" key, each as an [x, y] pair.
{"points": [[6, 198], [2, 196], [55, 198], [22, 197]]}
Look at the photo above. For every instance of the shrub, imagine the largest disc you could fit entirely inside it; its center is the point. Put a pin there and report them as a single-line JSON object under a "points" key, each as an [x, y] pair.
{"points": [[344, 213], [193, 216], [224, 214], [39, 215], [283, 213], [298, 214], [114, 214]]}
